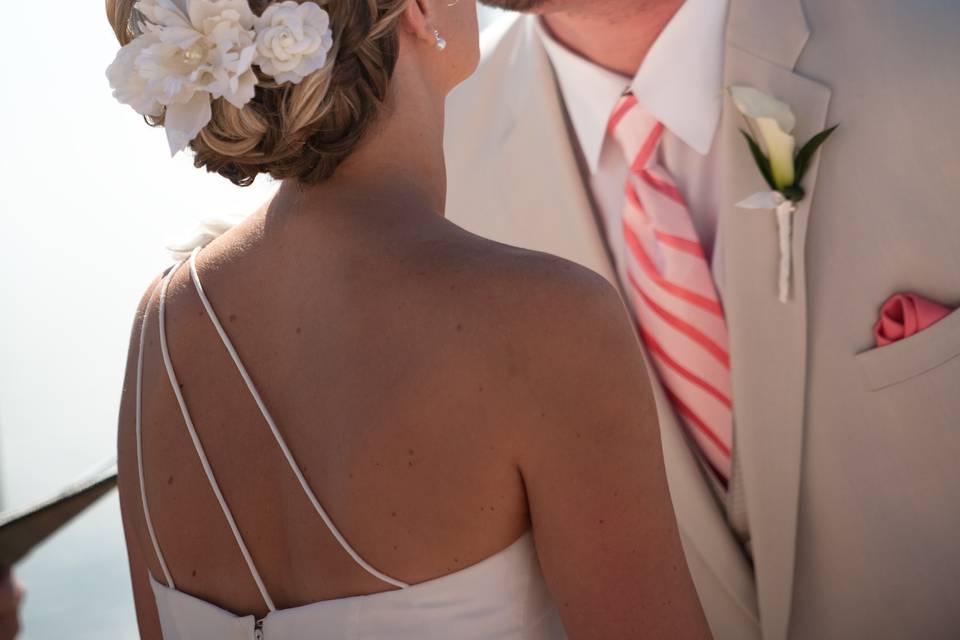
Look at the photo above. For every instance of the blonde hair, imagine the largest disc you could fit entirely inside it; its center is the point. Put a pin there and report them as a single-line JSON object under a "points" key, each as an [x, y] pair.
{"points": [[301, 131]]}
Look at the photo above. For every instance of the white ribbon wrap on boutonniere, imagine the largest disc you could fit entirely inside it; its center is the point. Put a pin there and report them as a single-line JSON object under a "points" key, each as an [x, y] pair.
{"points": [[773, 146], [774, 201]]}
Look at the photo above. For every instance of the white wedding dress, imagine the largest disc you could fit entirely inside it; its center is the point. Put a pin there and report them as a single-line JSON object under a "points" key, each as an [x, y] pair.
{"points": [[503, 597]]}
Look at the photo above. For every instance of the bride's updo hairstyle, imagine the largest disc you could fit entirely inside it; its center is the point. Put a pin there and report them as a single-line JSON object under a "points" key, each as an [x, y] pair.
{"points": [[301, 131]]}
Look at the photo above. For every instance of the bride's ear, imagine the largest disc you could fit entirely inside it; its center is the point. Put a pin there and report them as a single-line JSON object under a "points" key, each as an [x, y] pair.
{"points": [[417, 21]]}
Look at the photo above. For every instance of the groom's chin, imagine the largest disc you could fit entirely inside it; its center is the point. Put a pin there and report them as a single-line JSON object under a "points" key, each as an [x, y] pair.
{"points": [[522, 6]]}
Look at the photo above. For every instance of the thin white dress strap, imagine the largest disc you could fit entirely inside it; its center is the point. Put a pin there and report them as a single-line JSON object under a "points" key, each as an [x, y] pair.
{"points": [[174, 383], [143, 490], [279, 438]]}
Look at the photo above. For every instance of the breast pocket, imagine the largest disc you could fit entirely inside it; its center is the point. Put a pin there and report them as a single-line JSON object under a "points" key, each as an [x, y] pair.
{"points": [[929, 349]]}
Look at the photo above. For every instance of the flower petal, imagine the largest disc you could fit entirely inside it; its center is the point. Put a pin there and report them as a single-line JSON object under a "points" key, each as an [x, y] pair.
{"points": [[129, 87], [756, 104], [184, 121], [242, 90], [202, 10], [780, 147]]}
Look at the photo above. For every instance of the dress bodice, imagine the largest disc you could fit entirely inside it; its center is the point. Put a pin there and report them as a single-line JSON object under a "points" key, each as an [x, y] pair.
{"points": [[501, 598]]}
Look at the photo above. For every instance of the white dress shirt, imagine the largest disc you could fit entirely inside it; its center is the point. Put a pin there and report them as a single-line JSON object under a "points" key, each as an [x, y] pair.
{"points": [[681, 83]]}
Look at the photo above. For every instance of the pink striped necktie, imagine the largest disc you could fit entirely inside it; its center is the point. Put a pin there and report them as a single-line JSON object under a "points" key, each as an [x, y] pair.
{"points": [[672, 290]]}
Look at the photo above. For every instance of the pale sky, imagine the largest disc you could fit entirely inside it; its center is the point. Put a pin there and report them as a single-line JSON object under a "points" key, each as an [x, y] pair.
{"points": [[88, 199]]}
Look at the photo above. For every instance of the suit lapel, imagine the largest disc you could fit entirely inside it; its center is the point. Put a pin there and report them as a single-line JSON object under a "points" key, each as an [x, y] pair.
{"points": [[768, 340]]}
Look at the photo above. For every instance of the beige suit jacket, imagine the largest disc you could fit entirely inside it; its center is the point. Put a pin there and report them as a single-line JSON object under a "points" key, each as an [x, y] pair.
{"points": [[849, 457]]}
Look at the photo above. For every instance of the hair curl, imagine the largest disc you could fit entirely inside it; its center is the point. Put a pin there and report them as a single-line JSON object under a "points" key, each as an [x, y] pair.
{"points": [[301, 131]]}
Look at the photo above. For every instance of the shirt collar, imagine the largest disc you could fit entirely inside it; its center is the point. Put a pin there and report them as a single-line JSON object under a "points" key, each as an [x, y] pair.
{"points": [[680, 81]]}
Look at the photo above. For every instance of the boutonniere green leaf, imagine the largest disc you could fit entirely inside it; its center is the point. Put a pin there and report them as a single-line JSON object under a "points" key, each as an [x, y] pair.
{"points": [[805, 155]]}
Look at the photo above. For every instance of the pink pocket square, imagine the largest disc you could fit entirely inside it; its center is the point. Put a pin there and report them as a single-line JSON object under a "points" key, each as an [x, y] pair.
{"points": [[905, 314]]}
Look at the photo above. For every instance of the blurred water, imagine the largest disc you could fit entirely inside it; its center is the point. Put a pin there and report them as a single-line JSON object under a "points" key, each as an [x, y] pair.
{"points": [[87, 201]]}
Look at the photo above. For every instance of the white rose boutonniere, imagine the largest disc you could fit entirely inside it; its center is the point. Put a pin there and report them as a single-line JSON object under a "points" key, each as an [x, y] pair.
{"points": [[771, 141]]}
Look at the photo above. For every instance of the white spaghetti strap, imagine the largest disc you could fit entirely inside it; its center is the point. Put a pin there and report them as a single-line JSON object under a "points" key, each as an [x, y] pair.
{"points": [[143, 490], [199, 447], [276, 433]]}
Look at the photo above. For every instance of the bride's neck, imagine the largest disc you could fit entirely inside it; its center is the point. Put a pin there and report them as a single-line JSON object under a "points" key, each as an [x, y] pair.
{"points": [[399, 163]]}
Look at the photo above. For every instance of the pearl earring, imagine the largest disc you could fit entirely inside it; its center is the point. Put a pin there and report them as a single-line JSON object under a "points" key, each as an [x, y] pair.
{"points": [[441, 42]]}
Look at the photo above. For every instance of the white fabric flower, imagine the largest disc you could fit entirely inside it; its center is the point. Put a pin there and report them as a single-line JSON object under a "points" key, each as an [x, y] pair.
{"points": [[129, 87], [190, 52], [774, 121], [293, 40], [206, 232]]}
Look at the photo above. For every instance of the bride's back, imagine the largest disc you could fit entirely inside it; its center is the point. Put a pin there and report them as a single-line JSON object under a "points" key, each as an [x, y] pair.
{"points": [[441, 396], [389, 349]]}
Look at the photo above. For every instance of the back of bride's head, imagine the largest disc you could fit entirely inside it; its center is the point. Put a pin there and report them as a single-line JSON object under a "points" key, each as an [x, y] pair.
{"points": [[287, 89]]}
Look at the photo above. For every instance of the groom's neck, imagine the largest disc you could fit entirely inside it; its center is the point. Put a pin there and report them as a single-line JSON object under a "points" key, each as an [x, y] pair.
{"points": [[614, 34]]}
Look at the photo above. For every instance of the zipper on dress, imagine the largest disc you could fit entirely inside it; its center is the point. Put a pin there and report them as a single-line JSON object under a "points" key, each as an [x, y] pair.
{"points": [[258, 630]]}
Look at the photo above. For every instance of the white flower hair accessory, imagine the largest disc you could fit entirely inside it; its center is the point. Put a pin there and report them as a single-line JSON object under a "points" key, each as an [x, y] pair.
{"points": [[191, 52], [293, 40]]}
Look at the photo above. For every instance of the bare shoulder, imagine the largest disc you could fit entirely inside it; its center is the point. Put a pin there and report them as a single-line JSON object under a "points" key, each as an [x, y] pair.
{"points": [[546, 321], [530, 293]]}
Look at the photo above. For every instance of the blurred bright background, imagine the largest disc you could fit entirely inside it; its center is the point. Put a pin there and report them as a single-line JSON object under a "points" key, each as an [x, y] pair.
{"points": [[88, 200]]}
